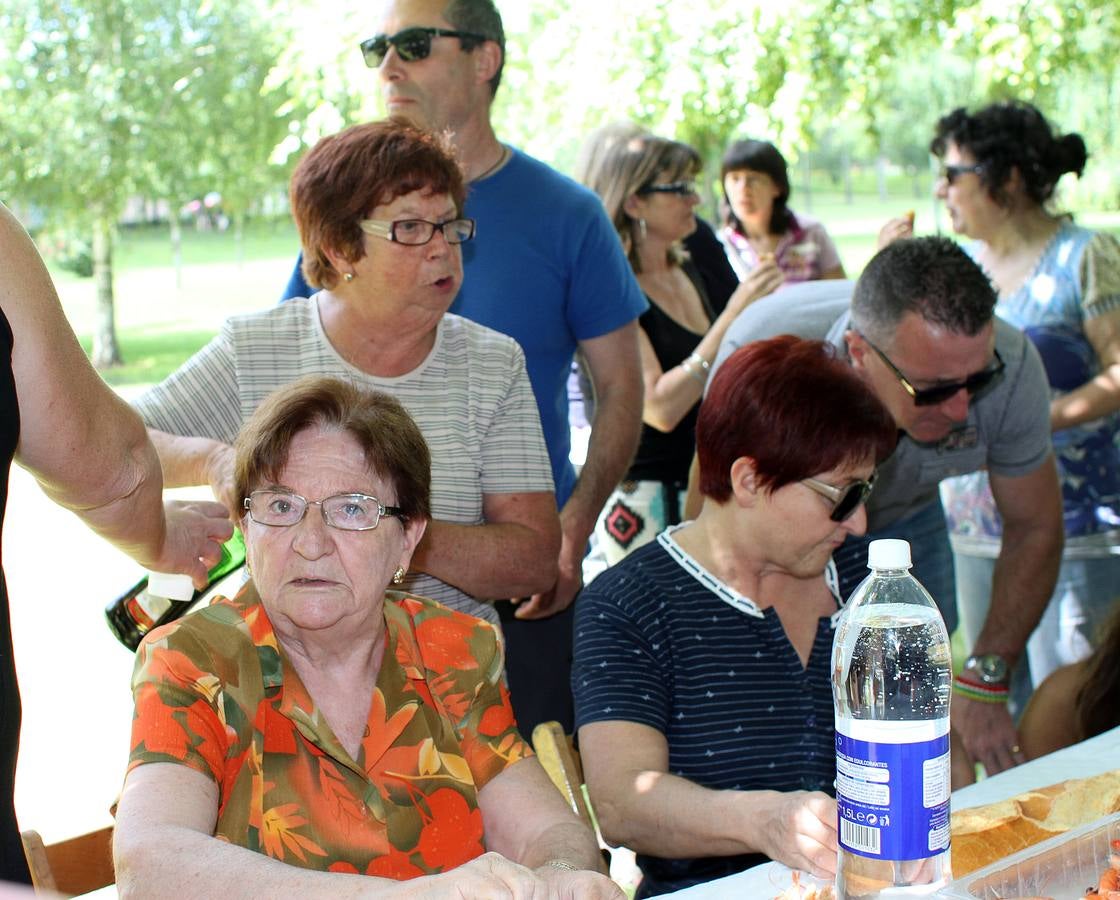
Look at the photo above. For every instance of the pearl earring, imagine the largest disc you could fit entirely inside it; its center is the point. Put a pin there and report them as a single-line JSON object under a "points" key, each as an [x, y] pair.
{"points": [[347, 277]]}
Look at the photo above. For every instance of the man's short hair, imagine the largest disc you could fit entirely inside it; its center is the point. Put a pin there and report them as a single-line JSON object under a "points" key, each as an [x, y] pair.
{"points": [[480, 17], [930, 276]]}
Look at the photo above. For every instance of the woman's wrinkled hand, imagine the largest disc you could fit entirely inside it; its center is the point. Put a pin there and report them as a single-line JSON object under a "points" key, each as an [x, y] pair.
{"points": [[798, 829], [496, 878], [192, 545]]}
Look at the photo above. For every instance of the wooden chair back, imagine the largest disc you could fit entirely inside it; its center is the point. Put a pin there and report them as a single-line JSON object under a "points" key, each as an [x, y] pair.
{"points": [[74, 866], [555, 752]]}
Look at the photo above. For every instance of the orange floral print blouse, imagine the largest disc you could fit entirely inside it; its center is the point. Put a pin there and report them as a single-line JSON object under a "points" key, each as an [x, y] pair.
{"points": [[215, 691]]}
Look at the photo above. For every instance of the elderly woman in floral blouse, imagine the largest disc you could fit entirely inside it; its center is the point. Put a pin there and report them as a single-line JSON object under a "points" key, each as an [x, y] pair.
{"points": [[322, 734]]}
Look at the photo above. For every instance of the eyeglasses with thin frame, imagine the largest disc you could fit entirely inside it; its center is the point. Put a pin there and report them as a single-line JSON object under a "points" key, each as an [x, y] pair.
{"points": [[413, 44], [845, 500], [684, 188], [347, 512], [952, 172], [931, 396], [416, 232]]}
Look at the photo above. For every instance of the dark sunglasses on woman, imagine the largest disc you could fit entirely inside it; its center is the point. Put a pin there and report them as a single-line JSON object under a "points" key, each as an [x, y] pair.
{"points": [[412, 44], [846, 500]]}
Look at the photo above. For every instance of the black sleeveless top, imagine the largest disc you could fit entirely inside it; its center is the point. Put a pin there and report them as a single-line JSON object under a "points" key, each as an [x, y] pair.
{"points": [[662, 456], [13, 865]]}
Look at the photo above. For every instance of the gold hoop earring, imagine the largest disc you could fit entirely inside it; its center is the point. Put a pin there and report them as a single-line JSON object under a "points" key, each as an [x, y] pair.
{"points": [[398, 576]]}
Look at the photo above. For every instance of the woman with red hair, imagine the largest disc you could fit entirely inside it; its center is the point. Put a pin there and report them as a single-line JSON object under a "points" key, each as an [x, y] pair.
{"points": [[702, 669]]}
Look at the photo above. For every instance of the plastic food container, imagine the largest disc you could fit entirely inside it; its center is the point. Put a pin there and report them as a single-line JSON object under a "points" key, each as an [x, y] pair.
{"points": [[1060, 868]]}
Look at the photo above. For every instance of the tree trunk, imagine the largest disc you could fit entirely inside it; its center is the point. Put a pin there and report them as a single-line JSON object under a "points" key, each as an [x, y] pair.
{"points": [[847, 164], [806, 198], [239, 238], [881, 176], [106, 351], [176, 244]]}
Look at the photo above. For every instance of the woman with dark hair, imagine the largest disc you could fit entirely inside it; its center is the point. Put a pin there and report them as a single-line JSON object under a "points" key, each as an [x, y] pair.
{"points": [[702, 661], [1060, 283], [325, 733], [646, 184], [758, 223], [379, 209]]}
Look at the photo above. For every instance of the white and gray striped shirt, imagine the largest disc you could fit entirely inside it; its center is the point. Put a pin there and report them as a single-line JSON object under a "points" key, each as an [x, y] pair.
{"points": [[471, 399]]}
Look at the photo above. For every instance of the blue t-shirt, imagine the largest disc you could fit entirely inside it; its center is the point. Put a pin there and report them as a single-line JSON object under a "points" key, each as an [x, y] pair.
{"points": [[660, 641], [546, 268]]}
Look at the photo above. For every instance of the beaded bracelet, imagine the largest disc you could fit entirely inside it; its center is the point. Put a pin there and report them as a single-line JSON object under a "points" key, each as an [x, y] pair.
{"points": [[561, 864], [985, 693]]}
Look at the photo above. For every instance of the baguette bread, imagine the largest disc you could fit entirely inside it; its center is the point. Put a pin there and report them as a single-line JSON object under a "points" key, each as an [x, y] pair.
{"points": [[985, 834]]}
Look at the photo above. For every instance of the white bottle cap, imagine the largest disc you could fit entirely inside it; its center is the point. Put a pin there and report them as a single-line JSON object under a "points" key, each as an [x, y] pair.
{"points": [[173, 587], [889, 553]]}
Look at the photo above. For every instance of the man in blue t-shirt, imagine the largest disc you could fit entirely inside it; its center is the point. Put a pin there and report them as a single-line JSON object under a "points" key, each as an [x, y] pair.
{"points": [[545, 268]]}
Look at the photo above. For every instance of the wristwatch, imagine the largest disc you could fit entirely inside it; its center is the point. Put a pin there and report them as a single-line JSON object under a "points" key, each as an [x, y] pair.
{"points": [[990, 668]]}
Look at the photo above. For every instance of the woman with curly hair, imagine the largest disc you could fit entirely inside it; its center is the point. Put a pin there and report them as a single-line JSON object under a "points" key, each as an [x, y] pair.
{"points": [[1060, 283]]}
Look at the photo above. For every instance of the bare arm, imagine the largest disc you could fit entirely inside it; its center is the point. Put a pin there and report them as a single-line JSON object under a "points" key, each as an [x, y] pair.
{"points": [[526, 820], [642, 806], [1101, 395], [669, 395], [615, 369], [512, 555], [163, 847], [1025, 573], [84, 445]]}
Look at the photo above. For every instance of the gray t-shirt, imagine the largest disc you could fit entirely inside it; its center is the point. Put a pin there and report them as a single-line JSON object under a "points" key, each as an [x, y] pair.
{"points": [[1008, 426], [470, 398]]}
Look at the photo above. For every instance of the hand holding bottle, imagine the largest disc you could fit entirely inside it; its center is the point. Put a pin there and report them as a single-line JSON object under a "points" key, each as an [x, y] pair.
{"points": [[192, 544]]}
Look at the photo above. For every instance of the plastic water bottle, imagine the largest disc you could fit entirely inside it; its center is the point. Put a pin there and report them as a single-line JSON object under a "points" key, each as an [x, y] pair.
{"points": [[891, 678], [159, 597]]}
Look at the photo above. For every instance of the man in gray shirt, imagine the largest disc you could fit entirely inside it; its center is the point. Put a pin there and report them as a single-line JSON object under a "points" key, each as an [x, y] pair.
{"points": [[968, 391]]}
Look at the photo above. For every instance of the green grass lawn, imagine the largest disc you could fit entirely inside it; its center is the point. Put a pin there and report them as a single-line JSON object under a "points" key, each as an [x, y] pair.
{"points": [[161, 322]]}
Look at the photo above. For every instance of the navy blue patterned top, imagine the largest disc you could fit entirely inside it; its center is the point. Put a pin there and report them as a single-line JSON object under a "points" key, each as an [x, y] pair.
{"points": [[660, 641]]}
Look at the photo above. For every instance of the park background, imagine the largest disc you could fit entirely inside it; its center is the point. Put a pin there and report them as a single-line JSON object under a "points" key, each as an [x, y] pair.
{"points": [[147, 144]]}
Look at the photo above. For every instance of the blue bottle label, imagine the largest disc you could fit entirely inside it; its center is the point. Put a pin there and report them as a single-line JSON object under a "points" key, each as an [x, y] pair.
{"points": [[892, 797]]}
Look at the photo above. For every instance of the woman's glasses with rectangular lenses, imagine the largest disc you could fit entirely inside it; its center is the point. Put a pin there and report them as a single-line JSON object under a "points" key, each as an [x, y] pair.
{"points": [[931, 396], [412, 44], [845, 500], [415, 232], [348, 512], [684, 188]]}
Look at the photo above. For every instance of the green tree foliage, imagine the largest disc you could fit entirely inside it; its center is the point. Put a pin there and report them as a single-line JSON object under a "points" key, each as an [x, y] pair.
{"points": [[103, 100]]}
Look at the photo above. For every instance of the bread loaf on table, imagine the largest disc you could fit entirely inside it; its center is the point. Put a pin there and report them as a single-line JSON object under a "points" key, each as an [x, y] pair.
{"points": [[985, 834]]}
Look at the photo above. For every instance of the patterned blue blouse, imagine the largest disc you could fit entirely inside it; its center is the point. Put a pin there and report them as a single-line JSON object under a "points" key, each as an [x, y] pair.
{"points": [[1077, 278]]}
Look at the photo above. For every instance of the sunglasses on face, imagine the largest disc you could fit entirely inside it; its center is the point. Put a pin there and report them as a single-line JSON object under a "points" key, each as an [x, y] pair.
{"points": [[845, 500], [931, 396], [952, 173], [412, 44], [684, 188]]}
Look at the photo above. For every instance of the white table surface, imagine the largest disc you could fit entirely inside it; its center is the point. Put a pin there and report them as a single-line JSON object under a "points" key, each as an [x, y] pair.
{"points": [[1090, 757]]}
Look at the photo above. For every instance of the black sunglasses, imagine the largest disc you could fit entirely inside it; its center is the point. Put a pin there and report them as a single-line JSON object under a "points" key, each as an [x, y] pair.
{"points": [[845, 500], [931, 396], [684, 188], [952, 173], [412, 44]]}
